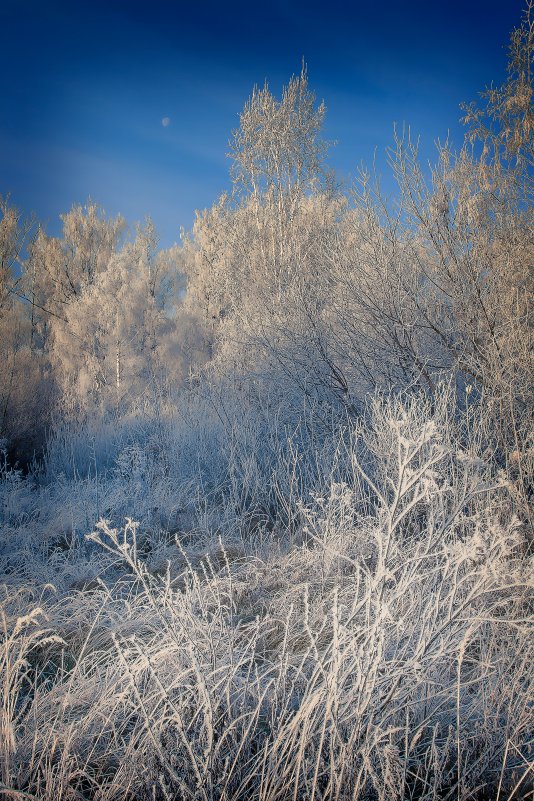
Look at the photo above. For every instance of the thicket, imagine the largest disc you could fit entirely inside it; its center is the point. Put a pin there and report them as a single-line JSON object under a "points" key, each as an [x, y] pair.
{"points": [[269, 535]]}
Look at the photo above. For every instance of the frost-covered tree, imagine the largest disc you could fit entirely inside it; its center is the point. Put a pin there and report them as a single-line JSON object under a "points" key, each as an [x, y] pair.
{"points": [[64, 267], [253, 248], [102, 312], [504, 122], [14, 231], [24, 383], [278, 146], [112, 345]]}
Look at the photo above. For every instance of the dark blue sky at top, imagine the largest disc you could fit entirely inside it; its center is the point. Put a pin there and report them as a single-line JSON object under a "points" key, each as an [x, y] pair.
{"points": [[84, 88]]}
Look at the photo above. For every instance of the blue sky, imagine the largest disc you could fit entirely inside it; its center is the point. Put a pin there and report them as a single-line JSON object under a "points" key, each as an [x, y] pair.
{"points": [[84, 88]]}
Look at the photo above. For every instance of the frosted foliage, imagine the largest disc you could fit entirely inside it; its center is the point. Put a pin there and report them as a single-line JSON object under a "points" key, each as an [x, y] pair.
{"points": [[110, 345], [266, 496], [330, 295], [21, 368], [278, 144], [8, 249], [381, 648]]}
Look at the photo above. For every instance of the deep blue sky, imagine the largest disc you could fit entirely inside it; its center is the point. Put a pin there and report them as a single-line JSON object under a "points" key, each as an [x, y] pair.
{"points": [[84, 88]]}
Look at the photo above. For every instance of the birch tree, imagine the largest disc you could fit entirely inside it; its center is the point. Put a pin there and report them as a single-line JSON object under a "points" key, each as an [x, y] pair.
{"points": [[108, 349]]}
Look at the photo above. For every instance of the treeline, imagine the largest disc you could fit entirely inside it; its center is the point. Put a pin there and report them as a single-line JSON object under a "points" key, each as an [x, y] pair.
{"points": [[90, 322]]}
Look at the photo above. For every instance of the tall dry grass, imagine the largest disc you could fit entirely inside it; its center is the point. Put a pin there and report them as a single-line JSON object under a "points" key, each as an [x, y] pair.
{"points": [[378, 647]]}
